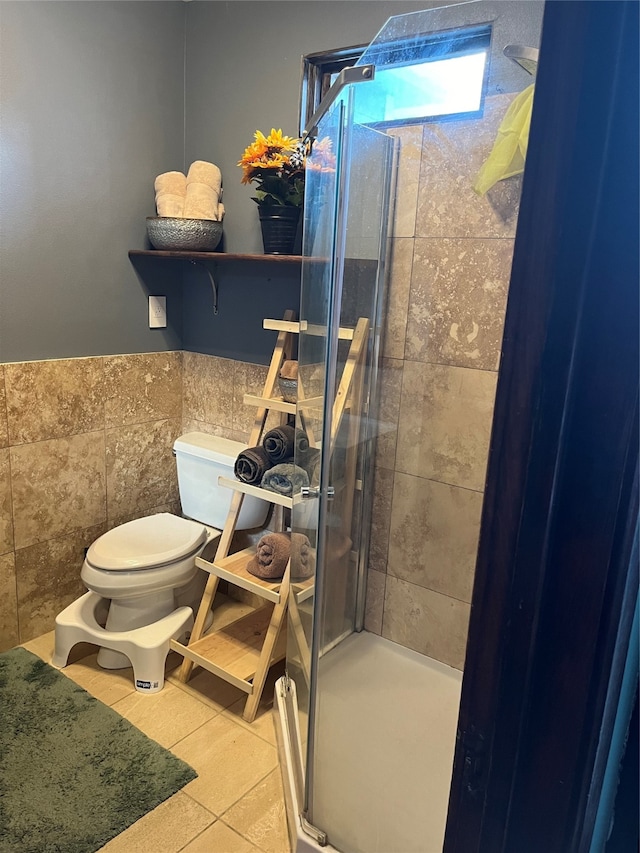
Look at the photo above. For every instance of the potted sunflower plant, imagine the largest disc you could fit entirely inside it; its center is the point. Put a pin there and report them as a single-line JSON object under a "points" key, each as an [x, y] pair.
{"points": [[275, 165]]}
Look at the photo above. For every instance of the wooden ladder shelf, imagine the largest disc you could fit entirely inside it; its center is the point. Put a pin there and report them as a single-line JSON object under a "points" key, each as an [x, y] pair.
{"points": [[242, 652]]}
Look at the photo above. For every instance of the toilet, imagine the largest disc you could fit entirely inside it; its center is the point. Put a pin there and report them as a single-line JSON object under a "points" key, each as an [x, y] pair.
{"points": [[142, 580]]}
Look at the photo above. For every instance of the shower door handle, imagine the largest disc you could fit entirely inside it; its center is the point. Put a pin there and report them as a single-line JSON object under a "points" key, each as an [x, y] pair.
{"points": [[308, 492]]}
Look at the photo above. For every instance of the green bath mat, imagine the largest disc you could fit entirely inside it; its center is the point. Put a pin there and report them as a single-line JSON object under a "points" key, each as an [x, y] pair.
{"points": [[73, 773]]}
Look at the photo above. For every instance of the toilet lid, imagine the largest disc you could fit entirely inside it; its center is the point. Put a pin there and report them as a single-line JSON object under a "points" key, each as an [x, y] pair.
{"points": [[146, 542]]}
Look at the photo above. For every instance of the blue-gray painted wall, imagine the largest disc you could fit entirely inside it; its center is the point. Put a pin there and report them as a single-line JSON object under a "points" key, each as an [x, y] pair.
{"points": [[92, 108], [92, 103], [97, 98]]}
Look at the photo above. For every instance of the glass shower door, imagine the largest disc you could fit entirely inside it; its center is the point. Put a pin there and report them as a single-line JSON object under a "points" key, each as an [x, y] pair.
{"points": [[349, 173], [316, 306]]}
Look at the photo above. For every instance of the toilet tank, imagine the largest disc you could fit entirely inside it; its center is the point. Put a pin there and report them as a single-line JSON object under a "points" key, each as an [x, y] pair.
{"points": [[201, 459]]}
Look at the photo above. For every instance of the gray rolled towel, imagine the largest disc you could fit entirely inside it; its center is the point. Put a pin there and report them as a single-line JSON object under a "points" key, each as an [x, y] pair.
{"points": [[310, 461], [281, 443], [271, 557], [251, 464], [285, 479]]}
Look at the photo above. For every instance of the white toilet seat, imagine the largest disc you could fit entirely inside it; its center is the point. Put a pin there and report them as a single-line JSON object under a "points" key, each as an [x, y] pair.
{"points": [[151, 554], [146, 543]]}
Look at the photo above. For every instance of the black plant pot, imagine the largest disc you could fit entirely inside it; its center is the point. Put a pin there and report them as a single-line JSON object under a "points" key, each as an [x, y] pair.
{"points": [[279, 228]]}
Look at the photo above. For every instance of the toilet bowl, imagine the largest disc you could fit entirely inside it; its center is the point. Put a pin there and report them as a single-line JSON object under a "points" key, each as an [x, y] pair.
{"points": [[143, 573]]}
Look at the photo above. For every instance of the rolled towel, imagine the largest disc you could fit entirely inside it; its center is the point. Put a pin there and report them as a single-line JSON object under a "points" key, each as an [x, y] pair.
{"points": [[201, 202], [202, 172], [171, 190], [303, 561], [272, 556], [220, 215], [285, 479], [310, 461], [282, 442], [171, 182], [204, 190], [251, 465], [289, 370]]}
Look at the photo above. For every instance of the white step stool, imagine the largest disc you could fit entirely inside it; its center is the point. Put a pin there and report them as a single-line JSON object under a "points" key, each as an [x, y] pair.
{"points": [[147, 647]]}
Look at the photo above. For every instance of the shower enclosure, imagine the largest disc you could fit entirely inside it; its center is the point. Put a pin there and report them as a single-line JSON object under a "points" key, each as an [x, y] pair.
{"points": [[404, 285]]}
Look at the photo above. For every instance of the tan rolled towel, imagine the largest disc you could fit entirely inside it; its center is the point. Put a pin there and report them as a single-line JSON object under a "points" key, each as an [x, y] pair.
{"points": [[289, 370], [201, 202], [271, 558], [303, 561], [171, 190], [201, 172], [204, 191]]}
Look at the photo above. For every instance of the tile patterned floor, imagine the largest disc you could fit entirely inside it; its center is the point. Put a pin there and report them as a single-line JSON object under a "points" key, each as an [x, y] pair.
{"points": [[236, 805]]}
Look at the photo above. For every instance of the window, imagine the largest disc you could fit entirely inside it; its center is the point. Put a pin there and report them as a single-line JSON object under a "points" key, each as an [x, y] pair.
{"points": [[427, 77]]}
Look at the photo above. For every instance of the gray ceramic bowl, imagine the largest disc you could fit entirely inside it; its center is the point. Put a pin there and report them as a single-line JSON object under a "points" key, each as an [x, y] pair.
{"points": [[183, 235]]}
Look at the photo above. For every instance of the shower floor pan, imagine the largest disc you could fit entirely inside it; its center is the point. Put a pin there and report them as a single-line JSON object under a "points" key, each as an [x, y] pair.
{"points": [[384, 748]]}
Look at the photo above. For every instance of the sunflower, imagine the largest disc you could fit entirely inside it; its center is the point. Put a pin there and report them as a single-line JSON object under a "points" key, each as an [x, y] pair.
{"points": [[274, 164]]}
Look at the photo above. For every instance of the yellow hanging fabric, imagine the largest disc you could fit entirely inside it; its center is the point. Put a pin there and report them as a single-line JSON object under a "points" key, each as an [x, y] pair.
{"points": [[510, 148]]}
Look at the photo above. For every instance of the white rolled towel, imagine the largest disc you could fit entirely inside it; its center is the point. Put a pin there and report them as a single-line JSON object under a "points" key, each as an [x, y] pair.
{"points": [[204, 190], [171, 191]]}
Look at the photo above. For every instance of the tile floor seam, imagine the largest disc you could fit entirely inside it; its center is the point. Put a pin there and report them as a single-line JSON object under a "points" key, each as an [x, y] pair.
{"points": [[231, 717], [195, 837], [246, 793], [206, 808], [195, 730], [242, 835]]}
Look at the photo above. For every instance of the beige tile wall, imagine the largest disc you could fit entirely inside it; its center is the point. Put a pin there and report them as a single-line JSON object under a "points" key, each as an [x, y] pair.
{"points": [[450, 270], [85, 445]]}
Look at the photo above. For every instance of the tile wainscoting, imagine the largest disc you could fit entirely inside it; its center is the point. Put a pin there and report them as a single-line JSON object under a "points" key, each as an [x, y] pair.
{"points": [[85, 445]]}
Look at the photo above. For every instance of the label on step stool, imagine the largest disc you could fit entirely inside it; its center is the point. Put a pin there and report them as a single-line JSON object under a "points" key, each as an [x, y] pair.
{"points": [[146, 685]]}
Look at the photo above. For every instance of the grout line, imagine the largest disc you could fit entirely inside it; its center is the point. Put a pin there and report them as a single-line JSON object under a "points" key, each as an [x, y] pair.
{"points": [[230, 717], [252, 788], [197, 729], [246, 794], [215, 820], [242, 835]]}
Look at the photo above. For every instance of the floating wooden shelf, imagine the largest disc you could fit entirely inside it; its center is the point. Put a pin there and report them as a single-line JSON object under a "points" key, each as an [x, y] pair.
{"points": [[216, 257]]}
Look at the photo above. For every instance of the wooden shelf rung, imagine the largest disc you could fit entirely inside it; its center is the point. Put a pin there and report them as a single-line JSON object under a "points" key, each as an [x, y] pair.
{"points": [[292, 326], [192, 655], [233, 652], [344, 334], [278, 404], [233, 568], [256, 492], [304, 589]]}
